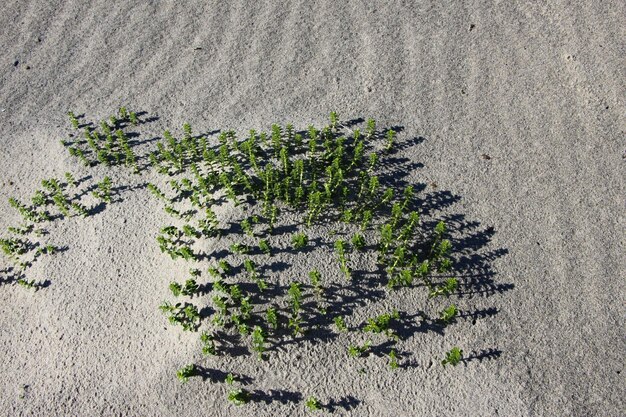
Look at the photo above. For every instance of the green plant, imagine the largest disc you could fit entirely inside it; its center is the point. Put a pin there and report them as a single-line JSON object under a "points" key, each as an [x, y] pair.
{"points": [[208, 344], [258, 341], [313, 404], [70, 179], [185, 314], [356, 351], [190, 288], [239, 396], [265, 247], [341, 247], [299, 240], [381, 324], [393, 360], [104, 190], [453, 357], [186, 372], [230, 379], [358, 241], [271, 316], [449, 314], [340, 324]]}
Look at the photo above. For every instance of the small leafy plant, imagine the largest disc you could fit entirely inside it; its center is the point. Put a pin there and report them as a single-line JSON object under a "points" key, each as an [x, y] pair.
{"points": [[186, 372], [453, 357], [313, 404], [299, 240]]}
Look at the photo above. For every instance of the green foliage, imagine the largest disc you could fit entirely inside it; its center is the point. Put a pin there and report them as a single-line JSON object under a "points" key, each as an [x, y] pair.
{"points": [[356, 351], [393, 360], [453, 357], [258, 341], [358, 241], [186, 372], [239, 396], [381, 324], [190, 288], [340, 324], [449, 314], [265, 247], [104, 190], [185, 315], [323, 175], [313, 404], [299, 240], [208, 344]]}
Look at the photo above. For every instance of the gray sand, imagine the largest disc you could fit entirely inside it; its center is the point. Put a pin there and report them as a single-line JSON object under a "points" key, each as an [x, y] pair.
{"points": [[537, 88]]}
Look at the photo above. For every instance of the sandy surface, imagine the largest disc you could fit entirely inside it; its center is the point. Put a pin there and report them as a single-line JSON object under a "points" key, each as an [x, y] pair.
{"points": [[537, 88]]}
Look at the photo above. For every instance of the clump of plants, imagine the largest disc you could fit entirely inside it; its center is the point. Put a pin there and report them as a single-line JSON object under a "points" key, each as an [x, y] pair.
{"points": [[56, 200], [321, 178]]}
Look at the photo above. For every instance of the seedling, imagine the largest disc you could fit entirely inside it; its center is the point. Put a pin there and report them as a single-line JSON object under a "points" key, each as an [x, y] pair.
{"points": [[208, 344], [313, 404], [393, 360], [453, 357], [27, 284], [265, 247], [258, 341], [230, 379], [356, 351], [73, 120], [380, 324], [239, 396], [340, 324], [184, 314], [391, 135], [341, 247], [104, 190], [272, 318], [299, 240], [358, 241], [190, 288], [449, 314], [186, 372], [157, 192], [225, 266], [239, 248], [450, 285], [70, 179]]}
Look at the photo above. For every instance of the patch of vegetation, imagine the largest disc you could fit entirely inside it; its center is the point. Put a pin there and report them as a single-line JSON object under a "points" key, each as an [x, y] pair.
{"points": [[282, 187]]}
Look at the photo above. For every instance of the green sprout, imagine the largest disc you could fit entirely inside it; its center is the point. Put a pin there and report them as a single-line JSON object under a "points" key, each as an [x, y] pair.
{"points": [[208, 344], [380, 324], [70, 179], [186, 372], [449, 314], [393, 360], [391, 135], [313, 404], [258, 341], [341, 247], [190, 288], [271, 317], [358, 241], [104, 190], [340, 324], [356, 351], [448, 287], [238, 396], [453, 357], [299, 240], [230, 379], [265, 247]]}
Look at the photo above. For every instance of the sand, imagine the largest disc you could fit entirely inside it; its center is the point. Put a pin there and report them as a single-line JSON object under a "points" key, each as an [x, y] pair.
{"points": [[521, 111]]}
